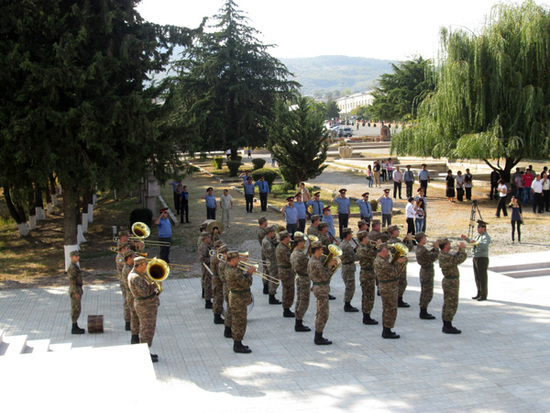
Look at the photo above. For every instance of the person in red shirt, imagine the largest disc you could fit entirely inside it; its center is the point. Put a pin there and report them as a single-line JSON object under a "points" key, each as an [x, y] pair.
{"points": [[527, 178]]}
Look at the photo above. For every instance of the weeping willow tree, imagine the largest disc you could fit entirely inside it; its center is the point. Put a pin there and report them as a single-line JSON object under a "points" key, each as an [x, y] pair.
{"points": [[492, 100]]}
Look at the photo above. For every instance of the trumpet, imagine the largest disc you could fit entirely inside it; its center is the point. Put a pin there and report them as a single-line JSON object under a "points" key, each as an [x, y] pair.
{"points": [[245, 266], [139, 254], [157, 271]]}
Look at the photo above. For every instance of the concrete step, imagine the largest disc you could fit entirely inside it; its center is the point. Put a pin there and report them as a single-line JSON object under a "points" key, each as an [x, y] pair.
{"points": [[37, 346], [535, 269], [13, 345], [61, 347]]}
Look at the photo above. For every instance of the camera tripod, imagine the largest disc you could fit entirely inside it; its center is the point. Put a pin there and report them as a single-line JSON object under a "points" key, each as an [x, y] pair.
{"points": [[473, 218]]}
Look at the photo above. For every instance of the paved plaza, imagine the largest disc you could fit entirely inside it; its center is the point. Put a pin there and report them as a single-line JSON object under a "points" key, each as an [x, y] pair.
{"points": [[499, 363]]}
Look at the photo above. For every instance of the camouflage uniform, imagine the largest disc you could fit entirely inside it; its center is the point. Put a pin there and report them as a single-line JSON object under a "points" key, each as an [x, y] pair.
{"points": [[299, 262], [227, 314], [238, 284], [403, 272], [134, 320], [366, 255], [448, 262], [204, 258], [374, 235], [348, 269], [388, 280], [426, 261], [325, 240], [119, 262], [261, 236], [268, 251], [146, 303], [217, 285], [321, 280], [313, 230], [75, 287], [285, 274]]}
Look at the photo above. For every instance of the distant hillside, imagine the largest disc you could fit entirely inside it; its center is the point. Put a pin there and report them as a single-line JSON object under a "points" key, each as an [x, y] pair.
{"points": [[329, 73]]}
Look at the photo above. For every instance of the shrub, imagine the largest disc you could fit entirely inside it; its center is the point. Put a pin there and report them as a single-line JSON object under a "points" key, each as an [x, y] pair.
{"points": [[269, 174], [218, 162], [374, 204], [233, 167], [258, 163], [144, 215]]}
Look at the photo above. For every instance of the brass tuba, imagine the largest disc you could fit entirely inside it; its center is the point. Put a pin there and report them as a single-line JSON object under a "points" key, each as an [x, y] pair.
{"points": [[400, 250], [334, 252], [157, 271], [312, 239], [141, 230]]}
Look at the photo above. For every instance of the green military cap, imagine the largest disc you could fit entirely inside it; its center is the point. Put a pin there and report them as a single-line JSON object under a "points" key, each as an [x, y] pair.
{"points": [[347, 231], [481, 223], [322, 225], [382, 246], [375, 222], [442, 242], [128, 254], [121, 245], [261, 220], [270, 228], [360, 223], [385, 237], [75, 254], [232, 254], [393, 228], [283, 235], [316, 244], [138, 260], [361, 235], [419, 236], [223, 248], [315, 217]]}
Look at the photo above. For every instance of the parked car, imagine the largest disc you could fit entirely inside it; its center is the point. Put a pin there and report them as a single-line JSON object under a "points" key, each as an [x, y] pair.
{"points": [[345, 132]]}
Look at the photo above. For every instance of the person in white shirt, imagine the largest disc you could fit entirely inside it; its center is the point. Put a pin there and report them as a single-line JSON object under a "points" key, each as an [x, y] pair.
{"points": [[536, 187], [410, 213], [397, 182], [546, 191], [502, 192], [226, 205]]}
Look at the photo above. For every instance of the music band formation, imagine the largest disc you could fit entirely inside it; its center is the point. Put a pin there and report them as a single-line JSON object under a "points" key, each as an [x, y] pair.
{"points": [[301, 262]]}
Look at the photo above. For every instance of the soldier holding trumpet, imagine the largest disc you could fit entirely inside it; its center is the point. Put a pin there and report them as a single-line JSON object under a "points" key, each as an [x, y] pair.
{"points": [[449, 262], [426, 258], [299, 261]]}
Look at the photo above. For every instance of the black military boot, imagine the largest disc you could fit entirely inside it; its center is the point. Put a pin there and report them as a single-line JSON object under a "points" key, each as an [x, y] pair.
{"points": [[369, 321], [218, 319], [127, 327], [135, 339], [207, 304], [348, 308], [239, 348], [402, 304], [227, 332], [287, 313], [273, 300], [154, 358], [266, 288], [387, 333], [449, 329], [299, 326], [424, 315], [77, 330], [319, 340], [331, 297]]}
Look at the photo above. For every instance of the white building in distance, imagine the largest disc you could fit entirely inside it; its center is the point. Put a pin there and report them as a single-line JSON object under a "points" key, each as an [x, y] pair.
{"points": [[347, 103]]}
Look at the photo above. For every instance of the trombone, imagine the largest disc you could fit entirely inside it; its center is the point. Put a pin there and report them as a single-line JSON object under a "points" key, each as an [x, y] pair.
{"points": [[142, 231], [243, 265]]}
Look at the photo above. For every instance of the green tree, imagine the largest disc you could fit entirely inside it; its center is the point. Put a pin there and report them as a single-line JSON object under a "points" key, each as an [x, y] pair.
{"points": [[298, 141], [332, 110], [493, 96], [362, 112], [400, 93], [227, 87]]}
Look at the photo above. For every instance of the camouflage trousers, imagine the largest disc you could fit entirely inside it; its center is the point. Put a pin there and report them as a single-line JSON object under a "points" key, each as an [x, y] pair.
{"points": [[450, 298], [388, 292], [289, 289], [265, 271], [426, 286], [303, 286], [147, 314], [227, 320], [238, 302], [76, 306], [348, 275], [273, 272], [402, 280], [206, 283], [217, 293], [321, 297], [124, 289], [134, 319], [367, 280]]}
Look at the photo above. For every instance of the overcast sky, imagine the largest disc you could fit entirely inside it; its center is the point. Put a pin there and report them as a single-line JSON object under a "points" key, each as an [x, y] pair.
{"points": [[384, 29]]}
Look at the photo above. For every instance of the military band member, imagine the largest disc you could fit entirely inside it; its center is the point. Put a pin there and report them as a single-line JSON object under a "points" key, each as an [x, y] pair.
{"points": [[299, 261], [313, 229], [348, 269], [146, 302], [388, 285], [123, 248], [374, 234], [320, 276], [238, 284], [366, 253], [426, 258], [268, 251], [286, 275], [134, 320], [202, 230], [204, 259], [325, 240], [262, 225], [217, 285], [362, 226], [449, 262], [393, 231], [75, 291], [221, 271]]}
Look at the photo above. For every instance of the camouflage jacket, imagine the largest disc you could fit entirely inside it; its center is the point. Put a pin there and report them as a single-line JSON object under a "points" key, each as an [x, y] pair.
{"points": [[449, 262], [268, 252], [140, 287], [215, 265], [282, 252], [348, 254], [204, 253], [261, 234], [386, 271], [426, 258], [237, 279], [75, 278], [366, 256], [299, 261], [313, 231], [374, 235], [317, 272]]}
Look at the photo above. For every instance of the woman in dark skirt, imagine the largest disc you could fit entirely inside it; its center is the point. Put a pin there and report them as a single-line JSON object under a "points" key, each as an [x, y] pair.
{"points": [[517, 218], [450, 182]]}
